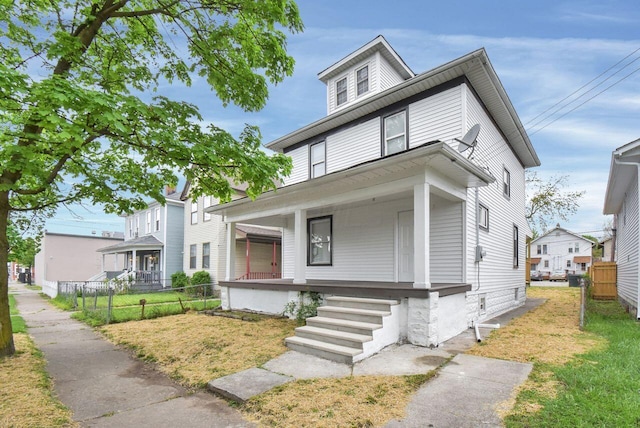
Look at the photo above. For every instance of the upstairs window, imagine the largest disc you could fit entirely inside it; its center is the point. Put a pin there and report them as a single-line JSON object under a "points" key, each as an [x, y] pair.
{"points": [[506, 183], [148, 221], [194, 212], [131, 228], [577, 247], [319, 239], [137, 225], [341, 91], [157, 219], [318, 156], [206, 202], [483, 217], [395, 135], [362, 80], [539, 249]]}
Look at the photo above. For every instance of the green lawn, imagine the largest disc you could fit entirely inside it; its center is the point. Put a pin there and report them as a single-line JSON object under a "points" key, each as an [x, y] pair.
{"points": [[600, 388], [17, 322]]}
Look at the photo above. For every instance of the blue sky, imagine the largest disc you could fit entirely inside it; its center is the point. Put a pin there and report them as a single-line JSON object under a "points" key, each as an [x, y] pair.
{"points": [[542, 51]]}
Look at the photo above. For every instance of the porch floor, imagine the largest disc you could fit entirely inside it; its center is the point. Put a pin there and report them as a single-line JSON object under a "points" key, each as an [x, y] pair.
{"points": [[373, 289]]}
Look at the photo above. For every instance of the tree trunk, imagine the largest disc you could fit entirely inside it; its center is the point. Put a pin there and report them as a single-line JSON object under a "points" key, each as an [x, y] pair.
{"points": [[6, 335]]}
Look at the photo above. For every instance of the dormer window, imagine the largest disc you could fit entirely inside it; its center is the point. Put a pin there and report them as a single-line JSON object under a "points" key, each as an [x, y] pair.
{"points": [[395, 135], [362, 80], [341, 91]]}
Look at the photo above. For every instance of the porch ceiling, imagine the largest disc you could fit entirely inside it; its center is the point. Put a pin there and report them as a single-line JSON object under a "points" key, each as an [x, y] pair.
{"points": [[449, 174]]}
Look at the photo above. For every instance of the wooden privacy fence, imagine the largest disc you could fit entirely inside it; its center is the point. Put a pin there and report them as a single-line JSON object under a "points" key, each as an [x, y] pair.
{"points": [[603, 280]]}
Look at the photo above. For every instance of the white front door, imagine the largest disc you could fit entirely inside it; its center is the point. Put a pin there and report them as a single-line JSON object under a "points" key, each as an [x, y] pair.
{"points": [[405, 246]]}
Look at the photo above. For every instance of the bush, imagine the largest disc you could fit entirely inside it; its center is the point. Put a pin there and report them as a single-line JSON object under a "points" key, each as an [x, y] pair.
{"points": [[179, 280], [203, 281]]}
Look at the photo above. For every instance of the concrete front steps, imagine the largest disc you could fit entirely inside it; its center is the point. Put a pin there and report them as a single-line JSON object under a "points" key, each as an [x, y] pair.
{"points": [[348, 329]]}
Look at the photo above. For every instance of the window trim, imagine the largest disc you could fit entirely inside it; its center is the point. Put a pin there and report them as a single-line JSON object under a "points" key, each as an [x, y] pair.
{"points": [[346, 91], [324, 161], [330, 243], [358, 93], [516, 247], [482, 226], [206, 256], [506, 183], [157, 219], [383, 127], [193, 256], [194, 213]]}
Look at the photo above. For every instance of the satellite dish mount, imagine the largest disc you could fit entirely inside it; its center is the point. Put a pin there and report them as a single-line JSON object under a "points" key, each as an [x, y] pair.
{"points": [[469, 141]]}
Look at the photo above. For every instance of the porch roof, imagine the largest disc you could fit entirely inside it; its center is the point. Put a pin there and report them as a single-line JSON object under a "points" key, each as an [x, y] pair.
{"points": [[582, 259], [371, 289], [389, 175], [147, 242]]}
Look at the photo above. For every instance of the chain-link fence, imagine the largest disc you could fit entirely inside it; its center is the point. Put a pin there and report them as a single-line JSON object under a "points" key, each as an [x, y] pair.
{"points": [[103, 303]]}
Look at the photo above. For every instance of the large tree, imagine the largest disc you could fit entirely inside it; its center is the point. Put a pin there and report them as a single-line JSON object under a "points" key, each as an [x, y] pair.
{"points": [[548, 201], [83, 118]]}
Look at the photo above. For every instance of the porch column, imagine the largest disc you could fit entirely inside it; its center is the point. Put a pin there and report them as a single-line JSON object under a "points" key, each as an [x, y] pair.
{"points": [[421, 238], [230, 274], [300, 246], [134, 266]]}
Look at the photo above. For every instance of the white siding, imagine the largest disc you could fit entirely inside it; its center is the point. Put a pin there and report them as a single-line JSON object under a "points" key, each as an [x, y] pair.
{"points": [[558, 243], [352, 146], [438, 117], [388, 75], [300, 159], [627, 246], [446, 244], [350, 74], [498, 278]]}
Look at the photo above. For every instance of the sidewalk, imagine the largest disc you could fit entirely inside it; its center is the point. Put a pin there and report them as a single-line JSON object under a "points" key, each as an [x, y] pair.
{"points": [[105, 386]]}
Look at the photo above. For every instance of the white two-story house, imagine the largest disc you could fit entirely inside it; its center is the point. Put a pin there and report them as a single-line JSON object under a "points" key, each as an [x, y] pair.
{"points": [[561, 250], [153, 241], [402, 229]]}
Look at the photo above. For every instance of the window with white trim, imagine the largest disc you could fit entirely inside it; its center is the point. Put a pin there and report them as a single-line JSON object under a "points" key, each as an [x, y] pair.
{"points": [[362, 80], [341, 91], [577, 247], [515, 246], [506, 183], [568, 263], [206, 202], [544, 249], [546, 263], [206, 252], [194, 211], [157, 228], [319, 238], [395, 133], [317, 153], [539, 249], [131, 227], [570, 250], [137, 225], [483, 217], [148, 221], [193, 254]]}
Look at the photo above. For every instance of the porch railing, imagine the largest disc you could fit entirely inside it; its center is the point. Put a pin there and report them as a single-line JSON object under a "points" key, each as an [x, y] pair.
{"points": [[260, 275]]}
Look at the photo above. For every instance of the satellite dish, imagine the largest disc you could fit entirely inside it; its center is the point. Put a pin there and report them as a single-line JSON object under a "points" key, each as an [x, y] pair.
{"points": [[469, 140]]}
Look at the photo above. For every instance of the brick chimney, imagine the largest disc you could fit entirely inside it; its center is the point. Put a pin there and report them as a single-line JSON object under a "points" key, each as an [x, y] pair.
{"points": [[169, 190]]}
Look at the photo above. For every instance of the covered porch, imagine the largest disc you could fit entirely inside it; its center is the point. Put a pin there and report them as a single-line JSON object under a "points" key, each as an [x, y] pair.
{"points": [[142, 261]]}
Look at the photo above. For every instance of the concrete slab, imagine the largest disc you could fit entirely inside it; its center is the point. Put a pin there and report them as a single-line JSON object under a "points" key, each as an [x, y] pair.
{"points": [[245, 384], [465, 393], [305, 366], [399, 360]]}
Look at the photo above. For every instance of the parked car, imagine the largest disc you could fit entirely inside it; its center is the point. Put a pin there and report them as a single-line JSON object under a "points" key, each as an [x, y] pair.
{"points": [[558, 275], [536, 276]]}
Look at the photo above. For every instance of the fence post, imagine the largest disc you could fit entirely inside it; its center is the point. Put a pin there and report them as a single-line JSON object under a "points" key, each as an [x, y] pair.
{"points": [[205, 296], [583, 303], [109, 305], [83, 291], [95, 299]]}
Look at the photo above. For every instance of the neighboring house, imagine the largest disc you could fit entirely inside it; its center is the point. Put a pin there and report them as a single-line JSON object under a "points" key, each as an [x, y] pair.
{"points": [[65, 257], [257, 250], [607, 250], [561, 250], [153, 241], [622, 201], [382, 204]]}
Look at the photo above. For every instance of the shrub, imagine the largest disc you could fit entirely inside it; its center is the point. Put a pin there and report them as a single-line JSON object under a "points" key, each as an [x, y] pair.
{"points": [[306, 307], [202, 280], [179, 280]]}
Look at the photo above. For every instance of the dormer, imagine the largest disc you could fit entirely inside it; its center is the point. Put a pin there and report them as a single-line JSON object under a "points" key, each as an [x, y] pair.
{"points": [[369, 70]]}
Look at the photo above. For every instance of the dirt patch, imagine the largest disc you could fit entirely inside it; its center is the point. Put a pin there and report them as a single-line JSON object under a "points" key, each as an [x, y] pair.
{"points": [[430, 360], [26, 393]]}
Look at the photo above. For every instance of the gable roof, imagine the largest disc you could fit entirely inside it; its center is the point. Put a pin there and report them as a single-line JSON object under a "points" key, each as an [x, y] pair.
{"points": [[379, 44], [475, 67], [140, 242], [560, 229], [624, 165]]}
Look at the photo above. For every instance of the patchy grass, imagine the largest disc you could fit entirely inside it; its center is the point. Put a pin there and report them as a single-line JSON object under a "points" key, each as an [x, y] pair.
{"points": [[364, 401], [26, 393], [195, 349], [17, 322]]}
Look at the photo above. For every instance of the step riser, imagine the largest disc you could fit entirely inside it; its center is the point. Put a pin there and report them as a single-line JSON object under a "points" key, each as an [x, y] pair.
{"points": [[357, 305], [326, 339], [321, 353], [374, 319], [347, 329]]}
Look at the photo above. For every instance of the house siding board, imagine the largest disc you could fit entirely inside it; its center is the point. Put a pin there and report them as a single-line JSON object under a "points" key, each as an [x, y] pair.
{"points": [[446, 241], [389, 77], [174, 240], [300, 160], [438, 117], [355, 145], [628, 246], [558, 243]]}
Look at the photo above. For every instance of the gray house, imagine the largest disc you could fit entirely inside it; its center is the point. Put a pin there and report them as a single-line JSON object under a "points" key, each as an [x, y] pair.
{"points": [[153, 243]]}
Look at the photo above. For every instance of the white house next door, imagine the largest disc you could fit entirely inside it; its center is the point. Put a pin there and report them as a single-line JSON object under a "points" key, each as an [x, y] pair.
{"points": [[405, 246]]}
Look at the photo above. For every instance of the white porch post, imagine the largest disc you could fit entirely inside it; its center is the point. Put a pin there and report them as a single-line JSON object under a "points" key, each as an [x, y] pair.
{"points": [[134, 265], [421, 236], [300, 246], [230, 274]]}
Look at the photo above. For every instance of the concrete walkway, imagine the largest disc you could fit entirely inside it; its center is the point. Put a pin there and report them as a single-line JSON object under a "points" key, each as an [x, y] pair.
{"points": [[105, 386]]}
